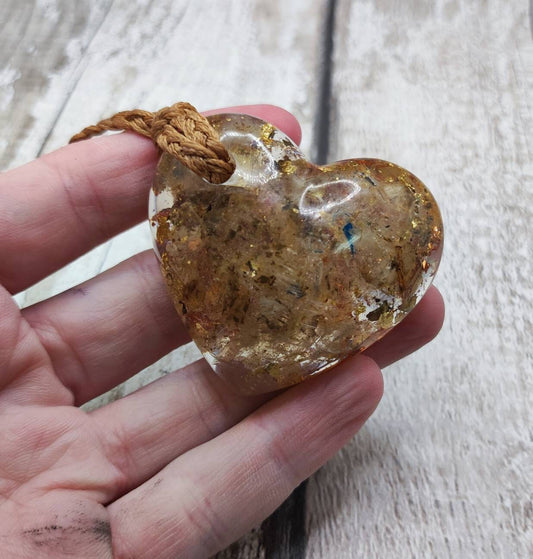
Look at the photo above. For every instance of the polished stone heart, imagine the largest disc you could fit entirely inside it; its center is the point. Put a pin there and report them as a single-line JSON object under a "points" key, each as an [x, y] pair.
{"points": [[287, 268]]}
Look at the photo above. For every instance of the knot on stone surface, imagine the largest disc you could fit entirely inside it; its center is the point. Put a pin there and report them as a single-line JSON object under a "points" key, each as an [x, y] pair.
{"points": [[179, 130], [187, 135]]}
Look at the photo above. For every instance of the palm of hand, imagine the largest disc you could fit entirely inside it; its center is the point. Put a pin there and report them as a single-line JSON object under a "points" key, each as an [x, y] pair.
{"points": [[183, 466]]}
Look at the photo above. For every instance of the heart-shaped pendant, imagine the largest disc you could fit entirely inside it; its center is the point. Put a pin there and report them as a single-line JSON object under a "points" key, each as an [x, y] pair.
{"points": [[287, 268]]}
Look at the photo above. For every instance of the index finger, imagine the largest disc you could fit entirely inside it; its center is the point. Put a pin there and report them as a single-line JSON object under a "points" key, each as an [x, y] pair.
{"points": [[58, 207]]}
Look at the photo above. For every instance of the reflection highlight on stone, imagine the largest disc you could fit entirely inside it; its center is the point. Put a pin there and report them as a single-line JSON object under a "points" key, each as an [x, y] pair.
{"points": [[319, 198]]}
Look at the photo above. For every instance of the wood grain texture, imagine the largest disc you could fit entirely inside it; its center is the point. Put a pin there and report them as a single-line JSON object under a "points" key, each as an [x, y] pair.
{"points": [[444, 88], [444, 468], [44, 48]]}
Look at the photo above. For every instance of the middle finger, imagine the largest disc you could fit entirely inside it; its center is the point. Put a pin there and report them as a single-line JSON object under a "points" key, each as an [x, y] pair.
{"points": [[105, 330]]}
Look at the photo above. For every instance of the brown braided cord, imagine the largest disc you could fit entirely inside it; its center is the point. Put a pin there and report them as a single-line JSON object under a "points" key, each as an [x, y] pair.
{"points": [[179, 130]]}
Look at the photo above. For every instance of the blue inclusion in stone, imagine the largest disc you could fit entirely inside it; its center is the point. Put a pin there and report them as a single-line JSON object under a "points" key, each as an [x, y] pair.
{"points": [[348, 231]]}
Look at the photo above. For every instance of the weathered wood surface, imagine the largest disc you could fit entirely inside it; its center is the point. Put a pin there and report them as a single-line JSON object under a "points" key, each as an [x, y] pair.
{"points": [[444, 88], [444, 468]]}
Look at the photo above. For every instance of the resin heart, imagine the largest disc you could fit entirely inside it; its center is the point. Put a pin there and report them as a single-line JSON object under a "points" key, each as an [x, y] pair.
{"points": [[287, 268]]}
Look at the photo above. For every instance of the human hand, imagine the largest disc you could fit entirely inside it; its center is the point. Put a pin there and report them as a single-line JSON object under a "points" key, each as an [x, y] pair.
{"points": [[184, 466]]}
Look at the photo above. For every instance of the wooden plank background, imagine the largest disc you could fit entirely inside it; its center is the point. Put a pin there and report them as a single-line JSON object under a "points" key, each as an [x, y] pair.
{"points": [[444, 468]]}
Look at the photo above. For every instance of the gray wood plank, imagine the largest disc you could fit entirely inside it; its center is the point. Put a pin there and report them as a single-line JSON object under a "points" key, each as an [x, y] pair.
{"points": [[43, 48], [444, 467]]}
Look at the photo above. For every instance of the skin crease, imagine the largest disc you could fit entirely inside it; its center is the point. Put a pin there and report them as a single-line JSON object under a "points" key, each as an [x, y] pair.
{"points": [[182, 467]]}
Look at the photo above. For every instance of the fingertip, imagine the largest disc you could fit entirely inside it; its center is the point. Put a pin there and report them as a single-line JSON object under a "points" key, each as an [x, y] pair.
{"points": [[282, 119], [416, 330], [353, 387], [428, 316], [279, 117], [365, 382], [372, 380]]}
